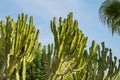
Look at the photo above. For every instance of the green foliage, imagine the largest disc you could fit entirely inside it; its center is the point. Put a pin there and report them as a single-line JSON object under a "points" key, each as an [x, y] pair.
{"points": [[37, 70], [18, 44], [110, 15]]}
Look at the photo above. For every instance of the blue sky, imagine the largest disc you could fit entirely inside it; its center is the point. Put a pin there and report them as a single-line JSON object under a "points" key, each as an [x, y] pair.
{"points": [[85, 11]]}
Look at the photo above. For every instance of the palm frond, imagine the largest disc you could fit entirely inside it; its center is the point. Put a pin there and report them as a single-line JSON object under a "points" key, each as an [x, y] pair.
{"points": [[110, 14]]}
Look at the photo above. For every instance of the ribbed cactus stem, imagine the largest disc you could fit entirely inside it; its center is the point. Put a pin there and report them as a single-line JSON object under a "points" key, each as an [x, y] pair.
{"points": [[24, 69], [19, 43], [17, 72]]}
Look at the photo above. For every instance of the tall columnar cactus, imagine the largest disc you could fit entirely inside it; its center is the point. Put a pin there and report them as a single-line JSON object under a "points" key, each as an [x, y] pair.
{"points": [[69, 49], [101, 67], [18, 44], [80, 73], [71, 61], [104, 66]]}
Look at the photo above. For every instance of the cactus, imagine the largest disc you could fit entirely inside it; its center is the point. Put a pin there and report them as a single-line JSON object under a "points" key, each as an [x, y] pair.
{"points": [[72, 61], [18, 44], [101, 67], [69, 60], [69, 49], [81, 72]]}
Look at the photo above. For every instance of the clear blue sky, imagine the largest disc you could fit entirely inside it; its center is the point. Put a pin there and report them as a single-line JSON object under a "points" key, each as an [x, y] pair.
{"points": [[85, 11]]}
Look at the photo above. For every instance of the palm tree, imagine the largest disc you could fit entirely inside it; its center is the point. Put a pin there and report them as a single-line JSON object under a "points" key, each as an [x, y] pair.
{"points": [[110, 14]]}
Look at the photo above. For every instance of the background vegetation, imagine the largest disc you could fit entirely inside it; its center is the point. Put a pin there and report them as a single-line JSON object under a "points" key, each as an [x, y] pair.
{"points": [[68, 58]]}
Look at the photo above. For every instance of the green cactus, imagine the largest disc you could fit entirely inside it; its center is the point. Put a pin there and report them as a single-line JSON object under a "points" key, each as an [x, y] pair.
{"points": [[101, 67], [71, 60], [18, 44], [69, 49]]}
